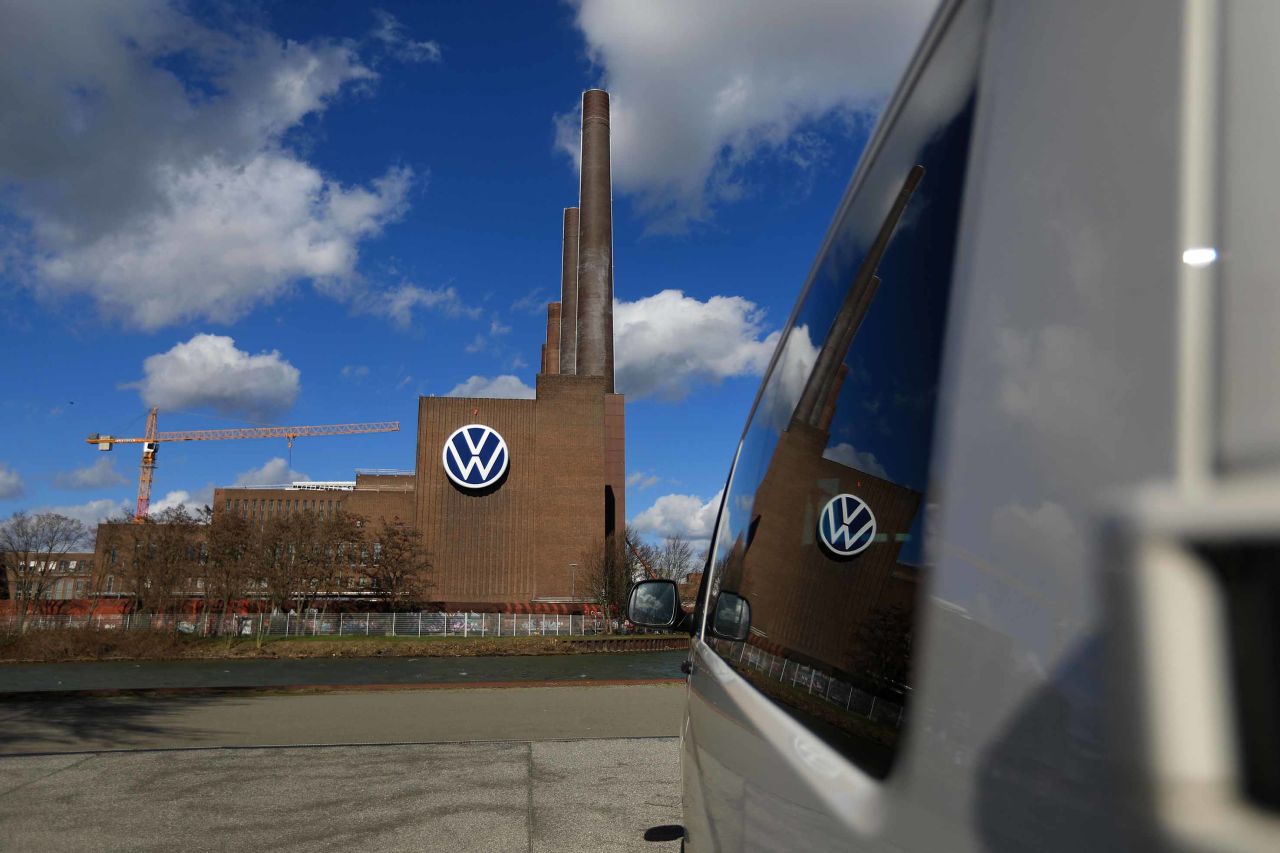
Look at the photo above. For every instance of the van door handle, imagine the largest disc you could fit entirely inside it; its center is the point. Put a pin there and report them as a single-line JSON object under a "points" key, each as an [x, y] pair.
{"points": [[686, 666]]}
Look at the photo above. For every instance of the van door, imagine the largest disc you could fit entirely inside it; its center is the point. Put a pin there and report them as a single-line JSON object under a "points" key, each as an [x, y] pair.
{"points": [[819, 552]]}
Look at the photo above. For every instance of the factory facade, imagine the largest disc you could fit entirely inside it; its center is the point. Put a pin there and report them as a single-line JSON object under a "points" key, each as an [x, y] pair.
{"points": [[510, 494]]}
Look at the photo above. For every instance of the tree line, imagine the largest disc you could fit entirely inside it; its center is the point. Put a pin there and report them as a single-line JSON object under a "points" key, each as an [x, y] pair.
{"points": [[285, 561], [163, 563], [172, 558]]}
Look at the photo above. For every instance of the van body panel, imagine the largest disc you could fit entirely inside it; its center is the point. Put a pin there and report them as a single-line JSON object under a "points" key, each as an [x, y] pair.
{"points": [[1058, 389]]}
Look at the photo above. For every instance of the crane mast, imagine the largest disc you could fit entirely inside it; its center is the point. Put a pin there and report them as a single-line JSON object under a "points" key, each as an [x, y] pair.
{"points": [[150, 442]]}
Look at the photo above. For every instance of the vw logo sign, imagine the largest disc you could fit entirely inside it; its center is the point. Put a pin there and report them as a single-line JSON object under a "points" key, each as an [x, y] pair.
{"points": [[475, 457], [847, 525]]}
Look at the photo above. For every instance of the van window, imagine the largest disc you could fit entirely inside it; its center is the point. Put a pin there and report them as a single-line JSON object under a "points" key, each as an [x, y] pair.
{"points": [[822, 529]]}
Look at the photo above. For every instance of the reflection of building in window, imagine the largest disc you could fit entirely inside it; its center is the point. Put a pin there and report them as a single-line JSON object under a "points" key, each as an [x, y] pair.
{"points": [[848, 617]]}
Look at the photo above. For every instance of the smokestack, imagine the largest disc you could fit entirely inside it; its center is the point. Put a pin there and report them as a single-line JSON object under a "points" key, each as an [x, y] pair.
{"points": [[833, 397], [569, 294], [595, 243], [551, 361], [857, 300]]}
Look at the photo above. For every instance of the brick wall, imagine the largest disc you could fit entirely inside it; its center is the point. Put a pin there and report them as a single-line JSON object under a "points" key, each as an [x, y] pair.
{"points": [[518, 542]]}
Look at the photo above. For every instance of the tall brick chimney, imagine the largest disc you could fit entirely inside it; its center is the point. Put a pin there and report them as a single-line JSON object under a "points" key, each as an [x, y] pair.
{"points": [[823, 384], [569, 294], [595, 243]]}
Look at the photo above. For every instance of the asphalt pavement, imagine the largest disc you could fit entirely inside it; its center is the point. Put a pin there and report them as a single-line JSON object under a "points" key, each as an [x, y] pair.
{"points": [[564, 768], [310, 672], [564, 796]]}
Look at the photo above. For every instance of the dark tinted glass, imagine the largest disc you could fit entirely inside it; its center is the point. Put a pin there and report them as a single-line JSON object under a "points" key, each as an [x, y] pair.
{"points": [[824, 522]]}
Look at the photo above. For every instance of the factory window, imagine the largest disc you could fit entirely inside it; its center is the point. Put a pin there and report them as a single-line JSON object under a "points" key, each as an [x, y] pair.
{"points": [[113, 555], [110, 586], [64, 566], [228, 504], [819, 551]]}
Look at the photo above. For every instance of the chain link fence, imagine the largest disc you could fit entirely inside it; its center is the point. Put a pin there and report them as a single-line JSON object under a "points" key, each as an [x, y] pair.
{"points": [[336, 624]]}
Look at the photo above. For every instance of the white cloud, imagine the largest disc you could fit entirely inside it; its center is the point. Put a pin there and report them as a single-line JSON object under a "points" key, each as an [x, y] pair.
{"points": [[10, 483], [399, 303], [192, 502], [100, 475], [679, 515], [668, 342], [208, 370], [395, 38], [1061, 382], [169, 198], [700, 89], [274, 472], [505, 386], [232, 234], [93, 513], [1043, 545], [354, 372], [533, 302], [642, 480], [786, 383], [863, 460]]}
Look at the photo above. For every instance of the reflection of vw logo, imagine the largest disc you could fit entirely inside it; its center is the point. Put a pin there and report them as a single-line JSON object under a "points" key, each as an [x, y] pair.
{"points": [[847, 525], [475, 456]]}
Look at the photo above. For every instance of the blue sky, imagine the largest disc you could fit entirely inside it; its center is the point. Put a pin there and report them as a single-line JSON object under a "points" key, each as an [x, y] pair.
{"points": [[314, 212]]}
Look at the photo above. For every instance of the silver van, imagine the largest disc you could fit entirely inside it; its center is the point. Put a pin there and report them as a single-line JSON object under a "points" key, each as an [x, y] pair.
{"points": [[997, 564]]}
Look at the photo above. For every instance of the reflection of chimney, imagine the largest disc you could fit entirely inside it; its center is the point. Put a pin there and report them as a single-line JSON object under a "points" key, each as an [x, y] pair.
{"points": [[833, 396], [569, 294], [846, 328], [824, 379], [551, 361], [595, 243]]}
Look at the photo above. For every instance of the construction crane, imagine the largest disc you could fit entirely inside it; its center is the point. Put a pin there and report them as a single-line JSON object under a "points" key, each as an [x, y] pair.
{"points": [[151, 442]]}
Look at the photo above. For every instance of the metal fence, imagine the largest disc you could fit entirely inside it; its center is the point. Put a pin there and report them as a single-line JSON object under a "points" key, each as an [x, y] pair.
{"points": [[814, 682], [335, 624]]}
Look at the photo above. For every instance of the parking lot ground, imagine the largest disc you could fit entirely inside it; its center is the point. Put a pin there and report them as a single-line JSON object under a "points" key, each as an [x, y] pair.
{"points": [[575, 795], [350, 717], [564, 768]]}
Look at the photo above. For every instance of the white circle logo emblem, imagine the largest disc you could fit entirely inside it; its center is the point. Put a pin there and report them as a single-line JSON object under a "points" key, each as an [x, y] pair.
{"points": [[847, 525], [475, 456]]}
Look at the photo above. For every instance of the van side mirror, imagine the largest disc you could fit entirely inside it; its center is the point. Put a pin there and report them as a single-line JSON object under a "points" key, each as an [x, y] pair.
{"points": [[654, 604], [732, 617]]}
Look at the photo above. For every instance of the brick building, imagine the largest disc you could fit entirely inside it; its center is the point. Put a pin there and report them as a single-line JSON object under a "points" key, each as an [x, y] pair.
{"points": [[65, 577], [518, 542], [809, 603]]}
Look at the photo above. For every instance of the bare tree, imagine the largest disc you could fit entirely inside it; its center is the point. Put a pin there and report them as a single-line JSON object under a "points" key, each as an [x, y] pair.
{"points": [[610, 567], [884, 646], [271, 558], [674, 559], [292, 556], [161, 559], [227, 569], [30, 546], [399, 566]]}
